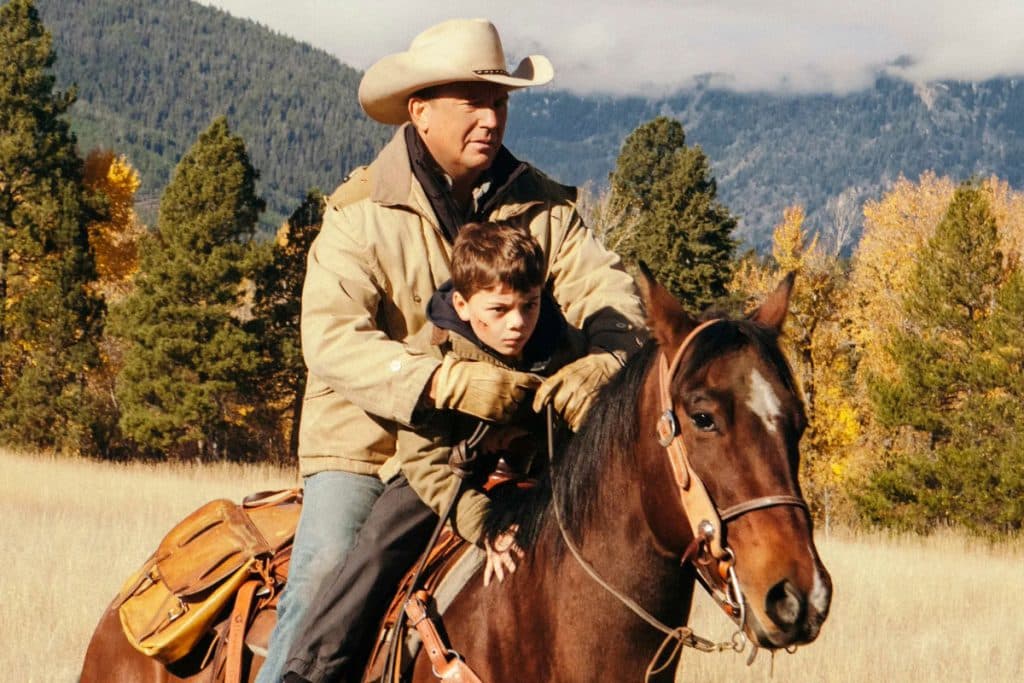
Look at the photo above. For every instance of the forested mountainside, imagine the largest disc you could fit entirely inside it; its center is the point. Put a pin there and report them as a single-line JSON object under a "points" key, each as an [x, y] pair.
{"points": [[827, 152], [151, 74]]}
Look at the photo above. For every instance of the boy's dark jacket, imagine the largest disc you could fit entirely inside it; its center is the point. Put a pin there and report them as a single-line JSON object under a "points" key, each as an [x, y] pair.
{"points": [[422, 455]]}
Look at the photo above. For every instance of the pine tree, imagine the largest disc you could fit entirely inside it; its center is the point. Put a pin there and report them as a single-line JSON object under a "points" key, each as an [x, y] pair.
{"points": [[49, 320], [187, 378], [958, 360], [666, 196], [276, 314], [949, 295], [1004, 406]]}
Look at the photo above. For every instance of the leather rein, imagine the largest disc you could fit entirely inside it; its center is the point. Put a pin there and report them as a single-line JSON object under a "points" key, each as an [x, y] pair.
{"points": [[712, 559]]}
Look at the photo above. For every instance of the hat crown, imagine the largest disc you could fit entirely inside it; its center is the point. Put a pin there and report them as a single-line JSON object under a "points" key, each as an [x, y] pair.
{"points": [[457, 50], [471, 43]]}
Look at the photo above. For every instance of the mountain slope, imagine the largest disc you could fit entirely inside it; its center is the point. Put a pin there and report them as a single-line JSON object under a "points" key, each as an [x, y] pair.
{"points": [[827, 152], [152, 74]]}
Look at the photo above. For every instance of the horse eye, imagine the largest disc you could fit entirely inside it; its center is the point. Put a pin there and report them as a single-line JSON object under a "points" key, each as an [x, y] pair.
{"points": [[703, 421]]}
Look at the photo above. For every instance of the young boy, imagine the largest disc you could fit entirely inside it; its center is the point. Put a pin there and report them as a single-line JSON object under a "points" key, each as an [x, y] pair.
{"points": [[494, 309]]}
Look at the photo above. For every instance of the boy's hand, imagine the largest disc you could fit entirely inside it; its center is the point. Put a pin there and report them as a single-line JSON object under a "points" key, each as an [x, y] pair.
{"points": [[502, 553], [573, 389], [480, 389]]}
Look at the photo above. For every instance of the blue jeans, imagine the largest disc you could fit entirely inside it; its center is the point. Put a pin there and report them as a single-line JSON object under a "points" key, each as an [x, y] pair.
{"points": [[334, 507]]}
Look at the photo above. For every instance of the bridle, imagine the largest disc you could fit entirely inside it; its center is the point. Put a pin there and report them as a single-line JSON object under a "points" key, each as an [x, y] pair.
{"points": [[712, 559]]}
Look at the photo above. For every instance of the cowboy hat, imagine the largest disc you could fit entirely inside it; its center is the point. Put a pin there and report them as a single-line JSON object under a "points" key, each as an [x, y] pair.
{"points": [[453, 51]]}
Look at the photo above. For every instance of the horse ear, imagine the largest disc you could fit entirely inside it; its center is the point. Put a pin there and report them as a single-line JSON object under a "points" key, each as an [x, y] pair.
{"points": [[772, 311], [668, 321]]}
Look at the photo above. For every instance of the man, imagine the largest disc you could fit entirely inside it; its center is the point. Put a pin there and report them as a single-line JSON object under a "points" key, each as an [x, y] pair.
{"points": [[494, 310], [385, 247]]}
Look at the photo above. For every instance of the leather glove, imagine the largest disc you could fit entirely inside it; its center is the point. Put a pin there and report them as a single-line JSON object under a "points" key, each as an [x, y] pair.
{"points": [[480, 389], [573, 389]]}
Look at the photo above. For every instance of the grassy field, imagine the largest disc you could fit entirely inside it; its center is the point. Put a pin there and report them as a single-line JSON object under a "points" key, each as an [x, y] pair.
{"points": [[945, 608]]}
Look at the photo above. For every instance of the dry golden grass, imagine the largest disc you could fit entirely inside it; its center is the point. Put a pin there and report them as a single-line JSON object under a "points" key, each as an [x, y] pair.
{"points": [[937, 609], [946, 608], [73, 531]]}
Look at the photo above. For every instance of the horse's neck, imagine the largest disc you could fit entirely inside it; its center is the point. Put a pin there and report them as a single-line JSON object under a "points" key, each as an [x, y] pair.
{"points": [[616, 545]]}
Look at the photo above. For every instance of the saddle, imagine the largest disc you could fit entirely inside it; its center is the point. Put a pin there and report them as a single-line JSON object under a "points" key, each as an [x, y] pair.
{"points": [[441, 564]]}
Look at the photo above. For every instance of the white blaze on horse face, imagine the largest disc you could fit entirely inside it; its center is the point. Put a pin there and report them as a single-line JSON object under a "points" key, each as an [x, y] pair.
{"points": [[763, 401]]}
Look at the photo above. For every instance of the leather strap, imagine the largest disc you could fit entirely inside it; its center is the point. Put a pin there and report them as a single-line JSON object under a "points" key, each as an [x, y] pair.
{"points": [[445, 668], [763, 502], [696, 501], [263, 498], [461, 462], [236, 630]]}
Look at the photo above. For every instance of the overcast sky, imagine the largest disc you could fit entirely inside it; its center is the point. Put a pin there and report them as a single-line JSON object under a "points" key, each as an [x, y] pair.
{"points": [[657, 46]]}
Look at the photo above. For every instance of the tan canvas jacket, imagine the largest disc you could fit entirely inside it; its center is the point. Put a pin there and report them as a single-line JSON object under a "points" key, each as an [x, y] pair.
{"points": [[376, 262]]}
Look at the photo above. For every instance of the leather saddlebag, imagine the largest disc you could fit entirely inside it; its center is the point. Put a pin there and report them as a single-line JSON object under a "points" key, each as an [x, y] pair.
{"points": [[176, 596]]}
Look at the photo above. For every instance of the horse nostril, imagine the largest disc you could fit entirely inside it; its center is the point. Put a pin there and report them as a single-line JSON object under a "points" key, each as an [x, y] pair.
{"points": [[784, 604]]}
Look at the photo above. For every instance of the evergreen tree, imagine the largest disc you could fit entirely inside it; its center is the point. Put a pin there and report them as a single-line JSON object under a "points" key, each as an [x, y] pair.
{"points": [[49, 320], [949, 295], [1003, 405], [276, 318], [189, 363], [664, 192], [958, 383]]}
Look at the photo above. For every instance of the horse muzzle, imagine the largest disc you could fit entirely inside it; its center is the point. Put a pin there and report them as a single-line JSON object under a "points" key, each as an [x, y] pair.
{"points": [[788, 615]]}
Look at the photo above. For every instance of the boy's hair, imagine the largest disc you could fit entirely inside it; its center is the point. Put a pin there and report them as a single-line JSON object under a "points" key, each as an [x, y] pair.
{"points": [[488, 254]]}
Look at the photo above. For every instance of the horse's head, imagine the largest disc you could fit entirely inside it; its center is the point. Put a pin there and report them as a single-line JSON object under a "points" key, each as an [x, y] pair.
{"points": [[725, 420]]}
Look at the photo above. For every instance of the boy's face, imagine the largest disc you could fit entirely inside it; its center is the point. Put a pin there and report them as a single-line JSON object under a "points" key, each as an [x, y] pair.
{"points": [[501, 317]]}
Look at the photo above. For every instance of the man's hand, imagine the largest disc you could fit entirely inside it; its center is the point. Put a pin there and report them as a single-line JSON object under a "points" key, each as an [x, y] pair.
{"points": [[502, 553], [573, 389], [480, 389]]}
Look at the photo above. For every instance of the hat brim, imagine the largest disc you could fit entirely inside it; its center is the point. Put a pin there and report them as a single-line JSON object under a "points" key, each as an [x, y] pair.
{"points": [[387, 85]]}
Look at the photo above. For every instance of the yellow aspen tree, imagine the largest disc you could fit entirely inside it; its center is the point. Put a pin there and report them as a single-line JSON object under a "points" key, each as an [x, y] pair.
{"points": [[895, 228], [115, 238], [815, 346]]}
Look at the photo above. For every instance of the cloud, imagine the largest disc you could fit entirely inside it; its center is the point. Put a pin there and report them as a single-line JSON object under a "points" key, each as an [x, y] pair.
{"points": [[651, 47]]}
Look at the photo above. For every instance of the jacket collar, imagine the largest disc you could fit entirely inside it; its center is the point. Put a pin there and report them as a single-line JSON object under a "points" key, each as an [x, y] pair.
{"points": [[395, 184]]}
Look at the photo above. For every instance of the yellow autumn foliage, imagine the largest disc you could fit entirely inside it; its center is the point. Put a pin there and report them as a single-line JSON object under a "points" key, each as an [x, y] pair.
{"points": [[114, 240], [896, 227], [814, 342]]}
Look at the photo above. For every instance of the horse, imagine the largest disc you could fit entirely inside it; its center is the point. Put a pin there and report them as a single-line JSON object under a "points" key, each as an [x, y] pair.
{"points": [[110, 658], [685, 470], [620, 513]]}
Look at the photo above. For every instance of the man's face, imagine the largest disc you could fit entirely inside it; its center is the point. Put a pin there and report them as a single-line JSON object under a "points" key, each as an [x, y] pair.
{"points": [[501, 317], [462, 125]]}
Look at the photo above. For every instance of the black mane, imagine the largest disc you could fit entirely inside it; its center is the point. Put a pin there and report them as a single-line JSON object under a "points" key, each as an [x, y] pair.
{"points": [[610, 427]]}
